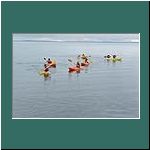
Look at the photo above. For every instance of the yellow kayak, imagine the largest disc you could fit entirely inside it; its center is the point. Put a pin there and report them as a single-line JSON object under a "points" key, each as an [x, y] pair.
{"points": [[44, 73], [114, 59]]}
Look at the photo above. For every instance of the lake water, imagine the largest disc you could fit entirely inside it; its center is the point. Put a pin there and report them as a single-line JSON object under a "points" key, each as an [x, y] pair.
{"points": [[102, 90]]}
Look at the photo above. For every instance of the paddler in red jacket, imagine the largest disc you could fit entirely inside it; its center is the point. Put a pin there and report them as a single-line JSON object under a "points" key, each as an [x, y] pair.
{"points": [[49, 61], [46, 68]]}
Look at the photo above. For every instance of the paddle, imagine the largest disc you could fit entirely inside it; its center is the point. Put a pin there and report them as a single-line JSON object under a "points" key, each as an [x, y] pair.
{"points": [[45, 60], [71, 61], [90, 59], [78, 57]]}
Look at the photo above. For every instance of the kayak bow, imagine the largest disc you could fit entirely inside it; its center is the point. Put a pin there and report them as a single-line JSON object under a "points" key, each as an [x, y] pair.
{"points": [[44, 73]]}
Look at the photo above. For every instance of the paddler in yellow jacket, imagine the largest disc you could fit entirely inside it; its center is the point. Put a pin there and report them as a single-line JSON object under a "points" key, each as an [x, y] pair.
{"points": [[83, 56]]}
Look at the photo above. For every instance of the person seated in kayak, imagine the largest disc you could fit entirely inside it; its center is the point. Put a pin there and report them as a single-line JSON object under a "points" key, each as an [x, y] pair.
{"points": [[108, 56], [83, 56], [45, 68], [114, 56], [78, 65], [49, 61]]}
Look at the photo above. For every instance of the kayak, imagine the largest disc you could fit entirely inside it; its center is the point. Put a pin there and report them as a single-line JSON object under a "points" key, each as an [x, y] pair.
{"points": [[45, 74], [113, 59], [73, 69], [116, 59], [108, 59], [85, 64]]}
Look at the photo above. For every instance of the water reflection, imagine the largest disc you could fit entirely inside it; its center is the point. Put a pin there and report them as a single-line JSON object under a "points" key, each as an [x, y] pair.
{"points": [[47, 78]]}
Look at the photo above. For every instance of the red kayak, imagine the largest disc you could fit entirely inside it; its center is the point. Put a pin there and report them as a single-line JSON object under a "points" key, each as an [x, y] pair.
{"points": [[85, 64], [72, 69]]}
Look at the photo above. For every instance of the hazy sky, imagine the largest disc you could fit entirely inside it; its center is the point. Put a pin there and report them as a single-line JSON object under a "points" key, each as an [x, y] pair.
{"points": [[79, 37]]}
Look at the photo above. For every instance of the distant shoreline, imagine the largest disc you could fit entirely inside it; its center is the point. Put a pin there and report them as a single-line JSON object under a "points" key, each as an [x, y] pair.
{"points": [[72, 41]]}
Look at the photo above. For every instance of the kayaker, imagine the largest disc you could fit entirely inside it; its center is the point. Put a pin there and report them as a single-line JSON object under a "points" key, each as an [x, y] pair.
{"points": [[78, 65], [108, 56], [49, 61], [45, 68], [83, 56], [114, 56]]}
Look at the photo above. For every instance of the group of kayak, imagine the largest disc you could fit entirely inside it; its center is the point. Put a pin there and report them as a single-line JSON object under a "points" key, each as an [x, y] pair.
{"points": [[79, 66], [47, 65], [82, 62], [113, 58]]}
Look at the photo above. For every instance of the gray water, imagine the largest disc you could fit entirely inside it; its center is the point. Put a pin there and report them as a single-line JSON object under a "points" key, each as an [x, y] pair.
{"points": [[102, 90]]}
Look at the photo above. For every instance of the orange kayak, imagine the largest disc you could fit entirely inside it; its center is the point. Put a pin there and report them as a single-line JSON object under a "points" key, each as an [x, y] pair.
{"points": [[85, 64], [72, 69]]}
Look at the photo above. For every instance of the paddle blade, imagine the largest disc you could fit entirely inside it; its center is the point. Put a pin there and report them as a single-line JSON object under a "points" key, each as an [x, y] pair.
{"points": [[40, 73], [70, 60]]}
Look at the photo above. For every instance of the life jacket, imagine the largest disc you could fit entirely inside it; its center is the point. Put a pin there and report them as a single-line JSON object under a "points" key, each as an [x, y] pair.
{"points": [[46, 69], [84, 57], [49, 62]]}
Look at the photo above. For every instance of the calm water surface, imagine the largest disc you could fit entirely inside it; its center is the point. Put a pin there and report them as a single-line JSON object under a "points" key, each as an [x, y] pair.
{"points": [[103, 90]]}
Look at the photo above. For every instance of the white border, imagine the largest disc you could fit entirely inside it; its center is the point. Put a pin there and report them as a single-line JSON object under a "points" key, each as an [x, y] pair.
{"points": [[80, 118], [0, 77], [76, 118], [139, 75], [77, 0]]}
